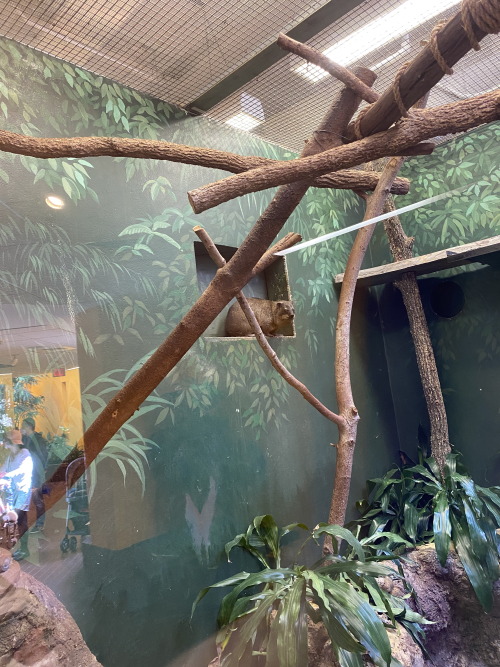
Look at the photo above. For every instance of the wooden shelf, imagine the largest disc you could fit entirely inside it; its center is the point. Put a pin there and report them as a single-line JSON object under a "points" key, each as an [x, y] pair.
{"points": [[435, 261]]}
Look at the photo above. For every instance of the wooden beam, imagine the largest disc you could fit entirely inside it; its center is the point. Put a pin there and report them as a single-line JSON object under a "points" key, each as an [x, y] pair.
{"points": [[435, 261]]}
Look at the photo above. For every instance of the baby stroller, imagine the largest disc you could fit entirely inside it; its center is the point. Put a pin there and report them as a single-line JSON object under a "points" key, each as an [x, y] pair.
{"points": [[77, 515]]}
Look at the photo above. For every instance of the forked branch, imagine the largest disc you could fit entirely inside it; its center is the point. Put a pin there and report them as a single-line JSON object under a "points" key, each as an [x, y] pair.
{"points": [[345, 401], [219, 260]]}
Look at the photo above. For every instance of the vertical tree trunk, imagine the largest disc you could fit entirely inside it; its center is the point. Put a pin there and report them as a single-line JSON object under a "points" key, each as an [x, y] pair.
{"points": [[347, 409], [401, 248]]}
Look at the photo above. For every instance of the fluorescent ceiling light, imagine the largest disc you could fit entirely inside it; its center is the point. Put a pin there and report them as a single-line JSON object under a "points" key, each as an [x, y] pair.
{"points": [[376, 33], [243, 121]]}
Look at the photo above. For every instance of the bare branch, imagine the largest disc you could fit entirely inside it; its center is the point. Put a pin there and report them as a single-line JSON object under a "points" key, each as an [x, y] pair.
{"points": [[338, 71], [401, 248], [262, 340], [345, 401], [424, 71], [269, 257], [50, 147]]}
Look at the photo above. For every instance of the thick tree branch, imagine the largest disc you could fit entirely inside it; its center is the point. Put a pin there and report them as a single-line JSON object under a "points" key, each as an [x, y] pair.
{"points": [[338, 71], [401, 248], [219, 260], [45, 147], [424, 72], [450, 118]]}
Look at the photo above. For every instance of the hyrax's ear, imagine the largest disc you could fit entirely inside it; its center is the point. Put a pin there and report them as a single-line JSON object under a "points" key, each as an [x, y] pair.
{"points": [[280, 303]]}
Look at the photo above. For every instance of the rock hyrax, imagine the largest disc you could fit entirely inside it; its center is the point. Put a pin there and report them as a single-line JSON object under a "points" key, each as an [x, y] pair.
{"points": [[271, 315]]}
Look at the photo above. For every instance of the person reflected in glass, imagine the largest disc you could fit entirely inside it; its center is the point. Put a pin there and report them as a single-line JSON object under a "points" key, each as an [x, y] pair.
{"points": [[15, 479], [37, 446]]}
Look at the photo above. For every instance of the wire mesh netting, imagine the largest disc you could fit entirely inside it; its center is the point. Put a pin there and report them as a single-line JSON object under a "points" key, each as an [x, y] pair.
{"points": [[177, 50]]}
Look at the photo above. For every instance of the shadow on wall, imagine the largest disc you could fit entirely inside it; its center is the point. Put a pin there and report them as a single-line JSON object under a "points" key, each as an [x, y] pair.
{"points": [[463, 312]]}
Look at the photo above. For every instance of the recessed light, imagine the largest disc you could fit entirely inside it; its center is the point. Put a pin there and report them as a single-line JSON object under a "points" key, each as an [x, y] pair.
{"points": [[376, 33], [54, 202], [243, 121]]}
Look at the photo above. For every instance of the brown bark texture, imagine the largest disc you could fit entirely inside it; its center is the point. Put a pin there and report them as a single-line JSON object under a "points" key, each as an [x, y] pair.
{"points": [[423, 124], [338, 71], [228, 280], [47, 147], [424, 71], [401, 248], [345, 401]]}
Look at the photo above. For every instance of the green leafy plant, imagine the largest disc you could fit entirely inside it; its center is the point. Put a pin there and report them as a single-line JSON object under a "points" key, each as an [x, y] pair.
{"points": [[26, 404], [415, 502], [266, 613], [58, 446]]}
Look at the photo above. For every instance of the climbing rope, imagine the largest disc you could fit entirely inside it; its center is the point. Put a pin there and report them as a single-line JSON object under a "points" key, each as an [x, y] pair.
{"points": [[484, 13]]}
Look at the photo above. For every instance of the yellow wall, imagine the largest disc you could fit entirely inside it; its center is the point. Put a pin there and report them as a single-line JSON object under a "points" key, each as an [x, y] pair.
{"points": [[62, 405]]}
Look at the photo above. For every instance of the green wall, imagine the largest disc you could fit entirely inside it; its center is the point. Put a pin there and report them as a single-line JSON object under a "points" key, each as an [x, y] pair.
{"points": [[223, 438], [467, 346]]}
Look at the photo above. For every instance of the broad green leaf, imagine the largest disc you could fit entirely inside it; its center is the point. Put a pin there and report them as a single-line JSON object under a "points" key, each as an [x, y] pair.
{"points": [[338, 633], [425, 473], [410, 520], [236, 579], [255, 579], [292, 628], [413, 617], [470, 490], [442, 527], [342, 533], [493, 493], [246, 631], [268, 531], [348, 659], [292, 526], [242, 541], [478, 577], [392, 537], [370, 569], [359, 618], [431, 462], [476, 532], [493, 510]]}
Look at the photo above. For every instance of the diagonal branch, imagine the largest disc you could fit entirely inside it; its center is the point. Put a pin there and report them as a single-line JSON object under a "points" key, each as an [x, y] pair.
{"points": [[422, 74], [338, 71], [450, 118], [262, 340]]}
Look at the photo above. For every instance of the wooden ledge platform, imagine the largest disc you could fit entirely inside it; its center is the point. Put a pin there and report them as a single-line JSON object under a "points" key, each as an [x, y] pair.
{"points": [[435, 261]]}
